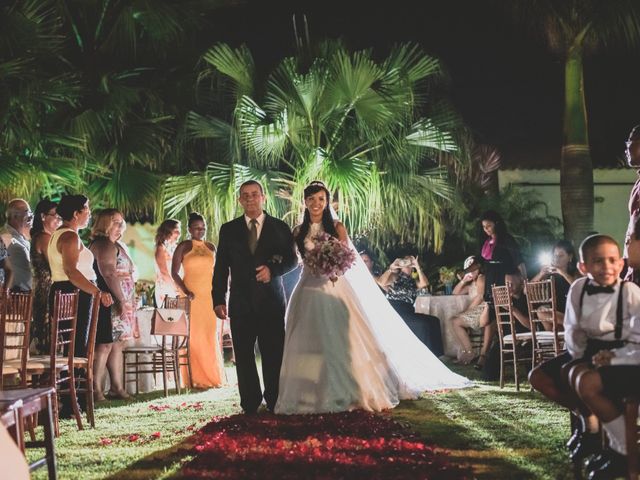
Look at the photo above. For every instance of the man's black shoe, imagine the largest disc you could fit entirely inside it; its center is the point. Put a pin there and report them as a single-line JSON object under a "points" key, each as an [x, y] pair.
{"points": [[614, 468], [590, 444], [574, 440], [597, 461]]}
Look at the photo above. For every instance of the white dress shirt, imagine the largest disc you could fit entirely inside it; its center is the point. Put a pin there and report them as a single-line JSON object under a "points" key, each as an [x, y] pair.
{"points": [[596, 319], [260, 220]]}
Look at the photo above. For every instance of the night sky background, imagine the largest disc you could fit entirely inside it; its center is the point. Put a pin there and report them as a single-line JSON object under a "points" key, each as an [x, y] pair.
{"points": [[502, 78]]}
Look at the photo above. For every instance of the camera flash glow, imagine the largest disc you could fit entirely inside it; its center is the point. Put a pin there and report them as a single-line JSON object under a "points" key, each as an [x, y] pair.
{"points": [[545, 258]]}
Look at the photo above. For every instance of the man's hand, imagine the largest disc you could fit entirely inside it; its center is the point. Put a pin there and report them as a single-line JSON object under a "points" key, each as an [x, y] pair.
{"points": [[263, 274], [221, 311], [603, 358]]}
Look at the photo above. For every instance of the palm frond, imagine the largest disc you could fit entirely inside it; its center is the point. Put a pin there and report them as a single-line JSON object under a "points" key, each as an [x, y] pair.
{"points": [[267, 139], [236, 64]]}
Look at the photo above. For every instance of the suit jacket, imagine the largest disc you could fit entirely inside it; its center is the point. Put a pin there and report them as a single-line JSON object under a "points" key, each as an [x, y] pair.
{"points": [[275, 249]]}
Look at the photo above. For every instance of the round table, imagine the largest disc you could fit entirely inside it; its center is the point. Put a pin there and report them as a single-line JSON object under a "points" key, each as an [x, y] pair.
{"points": [[444, 307]]}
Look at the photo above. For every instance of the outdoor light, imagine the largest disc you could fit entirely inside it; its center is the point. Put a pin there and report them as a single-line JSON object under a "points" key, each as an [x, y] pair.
{"points": [[545, 258]]}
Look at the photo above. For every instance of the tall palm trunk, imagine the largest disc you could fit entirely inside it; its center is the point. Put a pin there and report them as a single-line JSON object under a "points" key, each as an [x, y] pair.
{"points": [[576, 168]]}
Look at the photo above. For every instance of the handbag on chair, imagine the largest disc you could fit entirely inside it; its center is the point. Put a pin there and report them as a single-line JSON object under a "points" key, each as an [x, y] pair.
{"points": [[170, 321]]}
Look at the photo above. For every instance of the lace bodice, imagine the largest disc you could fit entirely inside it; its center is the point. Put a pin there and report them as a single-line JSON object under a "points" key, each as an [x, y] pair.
{"points": [[314, 229]]}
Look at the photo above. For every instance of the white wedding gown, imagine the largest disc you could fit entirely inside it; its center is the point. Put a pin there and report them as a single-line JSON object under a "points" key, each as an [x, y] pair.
{"points": [[346, 348]]}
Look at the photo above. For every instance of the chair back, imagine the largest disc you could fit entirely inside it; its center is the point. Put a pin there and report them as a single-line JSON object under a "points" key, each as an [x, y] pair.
{"points": [[503, 305], [93, 327], [543, 313], [64, 318], [179, 303], [15, 322]]}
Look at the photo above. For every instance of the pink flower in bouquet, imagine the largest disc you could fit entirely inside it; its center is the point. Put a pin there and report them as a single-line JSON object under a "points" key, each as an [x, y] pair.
{"points": [[329, 257]]}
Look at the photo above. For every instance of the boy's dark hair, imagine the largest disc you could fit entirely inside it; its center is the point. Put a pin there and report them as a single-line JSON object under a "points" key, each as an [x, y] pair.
{"points": [[592, 242]]}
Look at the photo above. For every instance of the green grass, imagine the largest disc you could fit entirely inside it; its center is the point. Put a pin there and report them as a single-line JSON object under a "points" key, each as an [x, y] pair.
{"points": [[500, 433]]}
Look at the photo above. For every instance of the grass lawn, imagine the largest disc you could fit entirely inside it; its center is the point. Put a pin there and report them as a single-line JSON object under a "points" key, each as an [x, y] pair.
{"points": [[500, 433]]}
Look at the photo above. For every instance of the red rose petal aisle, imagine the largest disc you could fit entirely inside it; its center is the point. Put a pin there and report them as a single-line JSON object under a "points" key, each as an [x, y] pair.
{"points": [[345, 445]]}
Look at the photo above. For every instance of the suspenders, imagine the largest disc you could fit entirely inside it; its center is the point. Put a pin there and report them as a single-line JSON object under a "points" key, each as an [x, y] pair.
{"points": [[618, 328]]}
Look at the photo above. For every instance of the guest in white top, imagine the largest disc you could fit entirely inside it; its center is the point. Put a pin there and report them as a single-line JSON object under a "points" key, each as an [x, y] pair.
{"points": [[72, 264], [15, 236], [617, 372]]}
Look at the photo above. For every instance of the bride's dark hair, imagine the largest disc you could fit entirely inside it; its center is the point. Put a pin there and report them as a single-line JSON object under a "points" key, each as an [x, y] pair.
{"points": [[327, 220]]}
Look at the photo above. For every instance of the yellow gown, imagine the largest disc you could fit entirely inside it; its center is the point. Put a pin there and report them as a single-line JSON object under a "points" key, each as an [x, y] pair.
{"points": [[207, 365]]}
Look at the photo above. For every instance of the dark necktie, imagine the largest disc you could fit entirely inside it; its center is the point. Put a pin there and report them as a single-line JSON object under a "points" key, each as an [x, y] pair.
{"points": [[253, 235], [594, 289]]}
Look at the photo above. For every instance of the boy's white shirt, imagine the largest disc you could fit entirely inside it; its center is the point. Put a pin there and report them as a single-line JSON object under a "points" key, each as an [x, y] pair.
{"points": [[598, 320]]}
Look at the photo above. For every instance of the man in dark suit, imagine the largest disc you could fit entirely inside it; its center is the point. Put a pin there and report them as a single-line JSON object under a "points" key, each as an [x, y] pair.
{"points": [[256, 249]]}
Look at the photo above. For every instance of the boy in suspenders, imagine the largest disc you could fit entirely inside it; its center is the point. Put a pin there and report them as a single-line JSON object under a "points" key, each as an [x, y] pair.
{"points": [[616, 373]]}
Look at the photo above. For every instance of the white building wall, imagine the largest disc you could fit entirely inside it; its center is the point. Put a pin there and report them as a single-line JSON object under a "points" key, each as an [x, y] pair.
{"points": [[611, 194]]}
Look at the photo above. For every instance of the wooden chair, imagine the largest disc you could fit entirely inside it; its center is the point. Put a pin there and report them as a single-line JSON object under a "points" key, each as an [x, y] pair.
{"points": [[165, 357], [226, 342], [543, 309], [511, 344], [16, 406], [60, 368], [15, 321]]}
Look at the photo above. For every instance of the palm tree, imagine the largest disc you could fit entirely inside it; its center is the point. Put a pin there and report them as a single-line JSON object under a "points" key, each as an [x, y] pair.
{"points": [[574, 29], [342, 117], [100, 84], [35, 153]]}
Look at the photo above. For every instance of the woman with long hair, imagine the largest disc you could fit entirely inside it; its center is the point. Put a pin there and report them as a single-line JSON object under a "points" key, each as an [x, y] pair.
{"points": [[501, 256], [166, 240], [45, 222], [563, 270], [345, 346]]}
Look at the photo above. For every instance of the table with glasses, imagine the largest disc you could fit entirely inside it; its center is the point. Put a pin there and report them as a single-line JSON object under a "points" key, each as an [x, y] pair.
{"points": [[444, 307]]}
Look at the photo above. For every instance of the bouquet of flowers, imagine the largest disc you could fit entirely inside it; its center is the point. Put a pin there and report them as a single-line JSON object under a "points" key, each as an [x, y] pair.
{"points": [[329, 257]]}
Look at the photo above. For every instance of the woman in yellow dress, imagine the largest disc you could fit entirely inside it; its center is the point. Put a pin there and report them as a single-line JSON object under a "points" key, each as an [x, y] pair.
{"points": [[197, 257]]}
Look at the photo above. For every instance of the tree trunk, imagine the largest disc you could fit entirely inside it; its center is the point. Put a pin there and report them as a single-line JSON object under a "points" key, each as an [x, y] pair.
{"points": [[576, 168]]}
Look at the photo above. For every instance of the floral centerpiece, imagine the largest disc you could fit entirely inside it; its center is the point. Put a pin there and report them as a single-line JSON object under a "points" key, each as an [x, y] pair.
{"points": [[447, 277], [144, 293], [329, 257]]}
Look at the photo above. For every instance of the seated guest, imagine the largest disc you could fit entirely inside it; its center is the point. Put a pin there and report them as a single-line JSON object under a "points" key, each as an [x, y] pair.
{"points": [[15, 236], [600, 315], [476, 316], [401, 289], [615, 376], [563, 270], [367, 259], [45, 222]]}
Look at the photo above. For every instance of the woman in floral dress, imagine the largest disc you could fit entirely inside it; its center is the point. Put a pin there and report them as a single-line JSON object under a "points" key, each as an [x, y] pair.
{"points": [[117, 323]]}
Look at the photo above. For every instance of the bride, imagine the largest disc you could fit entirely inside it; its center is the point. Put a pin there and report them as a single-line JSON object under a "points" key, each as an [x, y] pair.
{"points": [[345, 347]]}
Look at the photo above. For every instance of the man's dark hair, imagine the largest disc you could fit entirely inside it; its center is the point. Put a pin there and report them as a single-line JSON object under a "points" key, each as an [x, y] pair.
{"points": [[251, 182]]}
